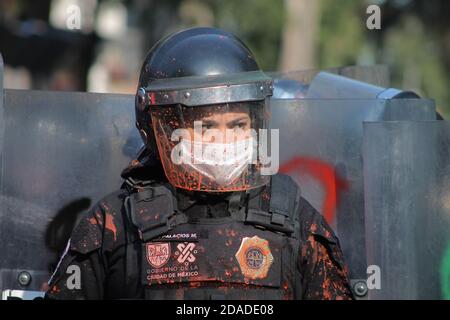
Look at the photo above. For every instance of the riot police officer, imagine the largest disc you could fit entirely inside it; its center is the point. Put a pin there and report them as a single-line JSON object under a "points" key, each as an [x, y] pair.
{"points": [[199, 215]]}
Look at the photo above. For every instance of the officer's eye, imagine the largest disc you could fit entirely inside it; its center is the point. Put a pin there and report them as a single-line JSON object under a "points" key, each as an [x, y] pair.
{"points": [[208, 124], [207, 127], [241, 125]]}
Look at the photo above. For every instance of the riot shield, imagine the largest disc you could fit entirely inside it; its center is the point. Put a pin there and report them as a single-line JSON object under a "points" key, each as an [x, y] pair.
{"points": [[295, 84], [377, 75], [62, 152], [407, 183], [320, 147], [327, 85]]}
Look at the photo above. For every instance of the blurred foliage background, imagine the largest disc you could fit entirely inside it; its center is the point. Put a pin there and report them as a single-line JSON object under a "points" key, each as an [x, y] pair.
{"points": [[105, 54]]}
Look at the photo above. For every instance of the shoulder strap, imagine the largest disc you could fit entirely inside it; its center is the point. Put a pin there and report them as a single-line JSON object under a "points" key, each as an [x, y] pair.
{"points": [[276, 207], [152, 209]]}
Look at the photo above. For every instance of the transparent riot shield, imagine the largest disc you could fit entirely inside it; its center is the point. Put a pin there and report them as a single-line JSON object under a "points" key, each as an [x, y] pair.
{"points": [[407, 194], [295, 84], [62, 152], [326, 85], [320, 147]]}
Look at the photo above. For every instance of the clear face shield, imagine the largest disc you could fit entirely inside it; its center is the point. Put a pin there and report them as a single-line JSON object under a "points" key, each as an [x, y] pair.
{"points": [[212, 143]]}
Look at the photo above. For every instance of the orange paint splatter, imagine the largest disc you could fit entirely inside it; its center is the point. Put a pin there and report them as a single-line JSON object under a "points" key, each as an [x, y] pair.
{"points": [[110, 225]]}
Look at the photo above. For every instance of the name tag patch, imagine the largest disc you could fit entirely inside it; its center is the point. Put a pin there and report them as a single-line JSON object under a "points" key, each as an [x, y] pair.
{"points": [[227, 256]]}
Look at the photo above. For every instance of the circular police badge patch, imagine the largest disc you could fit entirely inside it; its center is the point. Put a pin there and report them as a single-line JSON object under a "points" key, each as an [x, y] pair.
{"points": [[254, 257]]}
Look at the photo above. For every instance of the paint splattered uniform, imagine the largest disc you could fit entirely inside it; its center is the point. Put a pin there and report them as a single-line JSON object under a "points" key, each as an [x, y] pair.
{"points": [[100, 242]]}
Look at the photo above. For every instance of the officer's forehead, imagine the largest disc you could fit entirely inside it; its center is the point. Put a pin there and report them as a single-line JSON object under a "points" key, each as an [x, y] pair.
{"points": [[213, 110]]}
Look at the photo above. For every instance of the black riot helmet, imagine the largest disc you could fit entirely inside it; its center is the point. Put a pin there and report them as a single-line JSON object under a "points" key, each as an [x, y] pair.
{"points": [[204, 75]]}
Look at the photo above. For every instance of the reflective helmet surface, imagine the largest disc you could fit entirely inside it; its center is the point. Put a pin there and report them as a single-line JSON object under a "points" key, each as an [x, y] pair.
{"points": [[198, 74]]}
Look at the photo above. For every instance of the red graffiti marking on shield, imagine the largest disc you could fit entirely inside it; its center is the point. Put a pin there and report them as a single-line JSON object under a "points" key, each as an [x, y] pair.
{"points": [[158, 253]]}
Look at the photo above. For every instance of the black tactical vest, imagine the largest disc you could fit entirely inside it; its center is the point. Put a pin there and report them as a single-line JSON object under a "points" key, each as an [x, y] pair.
{"points": [[249, 254]]}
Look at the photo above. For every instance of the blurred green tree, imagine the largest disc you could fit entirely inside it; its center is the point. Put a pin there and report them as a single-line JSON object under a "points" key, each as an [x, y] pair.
{"points": [[414, 41], [259, 24]]}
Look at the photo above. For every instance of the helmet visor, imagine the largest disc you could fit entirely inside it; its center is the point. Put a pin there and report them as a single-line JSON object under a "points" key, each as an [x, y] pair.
{"points": [[211, 147]]}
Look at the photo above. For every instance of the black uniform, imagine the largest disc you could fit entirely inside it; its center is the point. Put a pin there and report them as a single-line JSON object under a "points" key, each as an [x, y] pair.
{"points": [[179, 245]]}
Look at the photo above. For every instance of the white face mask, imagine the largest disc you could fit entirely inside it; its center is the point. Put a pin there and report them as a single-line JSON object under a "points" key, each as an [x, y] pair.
{"points": [[220, 162]]}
